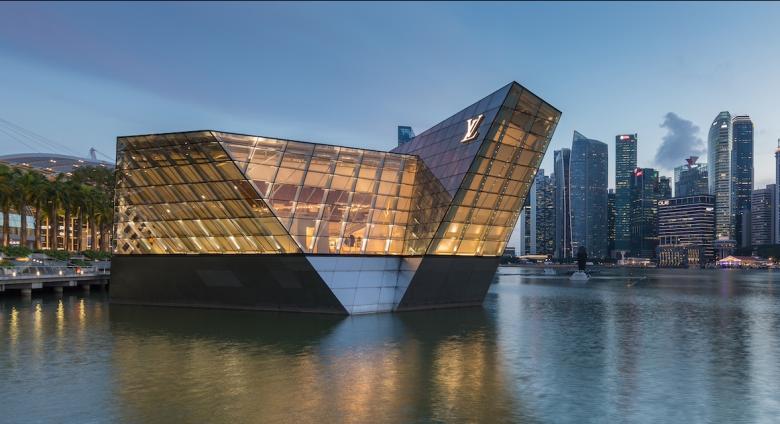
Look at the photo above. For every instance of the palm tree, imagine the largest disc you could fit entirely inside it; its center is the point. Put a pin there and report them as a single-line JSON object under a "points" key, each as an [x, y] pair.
{"points": [[38, 188], [28, 189], [95, 199], [54, 197], [105, 215], [6, 200], [70, 203], [86, 209]]}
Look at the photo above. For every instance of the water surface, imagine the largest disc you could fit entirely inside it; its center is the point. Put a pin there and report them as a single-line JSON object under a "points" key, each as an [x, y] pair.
{"points": [[629, 346]]}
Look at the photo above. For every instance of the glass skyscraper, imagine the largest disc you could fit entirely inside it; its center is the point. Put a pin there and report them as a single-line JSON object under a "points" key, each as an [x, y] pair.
{"points": [[543, 215], [562, 162], [719, 178], [664, 188], [589, 175], [625, 164], [763, 218], [646, 191], [405, 135], [610, 222], [777, 193], [686, 230], [216, 219], [691, 179], [741, 173], [524, 227]]}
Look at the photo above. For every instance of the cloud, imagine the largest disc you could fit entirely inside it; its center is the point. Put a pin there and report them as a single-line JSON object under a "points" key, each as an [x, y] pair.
{"points": [[681, 140]]}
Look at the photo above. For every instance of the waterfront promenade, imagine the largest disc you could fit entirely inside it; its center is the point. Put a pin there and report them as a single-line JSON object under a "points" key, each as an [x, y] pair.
{"points": [[26, 279]]}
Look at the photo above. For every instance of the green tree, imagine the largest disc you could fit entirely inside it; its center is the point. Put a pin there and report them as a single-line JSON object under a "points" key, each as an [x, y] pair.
{"points": [[54, 198], [29, 189], [6, 201]]}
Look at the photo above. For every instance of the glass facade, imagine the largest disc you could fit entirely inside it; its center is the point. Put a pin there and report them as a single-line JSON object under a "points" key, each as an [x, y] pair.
{"points": [[763, 216], [405, 134], [216, 192], [487, 177], [741, 174], [181, 193], [646, 191], [543, 215], [685, 230], [719, 178], [562, 162], [610, 222], [589, 169], [691, 179], [625, 164]]}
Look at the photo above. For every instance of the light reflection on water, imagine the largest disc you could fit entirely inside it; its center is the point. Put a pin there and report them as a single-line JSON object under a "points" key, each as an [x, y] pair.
{"points": [[629, 346]]}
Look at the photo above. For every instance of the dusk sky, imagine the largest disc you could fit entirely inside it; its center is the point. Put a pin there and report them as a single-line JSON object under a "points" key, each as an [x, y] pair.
{"points": [[348, 74]]}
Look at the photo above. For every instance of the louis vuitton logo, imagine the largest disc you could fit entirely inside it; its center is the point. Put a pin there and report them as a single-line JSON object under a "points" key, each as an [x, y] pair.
{"points": [[471, 128]]}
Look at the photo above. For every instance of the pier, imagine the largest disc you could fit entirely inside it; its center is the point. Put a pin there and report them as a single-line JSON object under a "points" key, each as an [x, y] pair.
{"points": [[56, 280]]}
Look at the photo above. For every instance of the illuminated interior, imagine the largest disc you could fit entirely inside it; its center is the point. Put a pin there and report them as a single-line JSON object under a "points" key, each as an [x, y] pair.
{"points": [[212, 192]]}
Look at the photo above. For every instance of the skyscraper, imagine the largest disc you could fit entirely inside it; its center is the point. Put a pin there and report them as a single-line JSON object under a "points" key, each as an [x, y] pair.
{"points": [[562, 202], [405, 135], [763, 218], [719, 170], [664, 188], [690, 179], [645, 192], [625, 163], [741, 175], [777, 193], [610, 222], [524, 226], [589, 174], [543, 214], [685, 230]]}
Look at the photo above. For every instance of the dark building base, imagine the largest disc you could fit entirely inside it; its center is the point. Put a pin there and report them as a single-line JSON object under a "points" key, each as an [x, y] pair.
{"points": [[262, 282], [449, 281], [285, 282]]}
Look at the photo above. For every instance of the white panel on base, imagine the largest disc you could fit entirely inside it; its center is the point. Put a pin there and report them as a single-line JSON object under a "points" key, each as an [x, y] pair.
{"points": [[366, 284]]}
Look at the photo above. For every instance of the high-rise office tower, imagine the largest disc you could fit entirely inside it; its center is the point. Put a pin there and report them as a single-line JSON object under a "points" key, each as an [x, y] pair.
{"points": [[664, 188], [772, 189], [543, 214], [589, 174], [762, 212], [625, 164], [646, 191], [524, 224], [685, 230], [405, 135], [719, 170], [741, 176], [610, 222], [777, 193], [691, 179], [562, 159]]}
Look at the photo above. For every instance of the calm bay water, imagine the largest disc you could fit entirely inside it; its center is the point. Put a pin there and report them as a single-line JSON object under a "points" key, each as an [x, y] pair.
{"points": [[630, 346]]}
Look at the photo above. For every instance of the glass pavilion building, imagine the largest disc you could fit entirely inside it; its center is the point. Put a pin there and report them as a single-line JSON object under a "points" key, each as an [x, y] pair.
{"points": [[215, 219]]}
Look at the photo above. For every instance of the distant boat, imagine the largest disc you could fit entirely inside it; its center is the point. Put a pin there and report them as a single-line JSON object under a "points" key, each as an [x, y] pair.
{"points": [[579, 276]]}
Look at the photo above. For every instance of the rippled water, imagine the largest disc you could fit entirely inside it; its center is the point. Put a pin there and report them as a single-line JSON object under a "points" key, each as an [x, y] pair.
{"points": [[630, 346]]}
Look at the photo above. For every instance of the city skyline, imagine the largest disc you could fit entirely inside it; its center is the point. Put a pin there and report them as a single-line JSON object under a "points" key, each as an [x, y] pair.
{"points": [[89, 73]]}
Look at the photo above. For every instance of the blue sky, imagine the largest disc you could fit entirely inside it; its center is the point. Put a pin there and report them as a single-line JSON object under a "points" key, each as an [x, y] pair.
{"points": [[82, 74]]}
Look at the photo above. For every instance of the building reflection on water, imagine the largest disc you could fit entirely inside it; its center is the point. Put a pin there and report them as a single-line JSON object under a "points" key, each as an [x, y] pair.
{"points": [[673, 347], [283, 367]]}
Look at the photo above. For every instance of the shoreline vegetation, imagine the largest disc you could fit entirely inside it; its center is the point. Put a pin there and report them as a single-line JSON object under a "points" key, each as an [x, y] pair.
{"points": [[71, 213]]}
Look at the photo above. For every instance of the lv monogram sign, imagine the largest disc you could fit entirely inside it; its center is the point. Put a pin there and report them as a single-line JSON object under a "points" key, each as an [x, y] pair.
{"points": [[471, 128]]}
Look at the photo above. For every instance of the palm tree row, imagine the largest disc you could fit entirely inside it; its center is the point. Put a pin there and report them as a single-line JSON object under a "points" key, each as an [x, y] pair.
{"points": [[85, 194]]}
